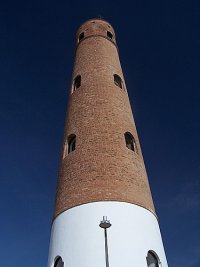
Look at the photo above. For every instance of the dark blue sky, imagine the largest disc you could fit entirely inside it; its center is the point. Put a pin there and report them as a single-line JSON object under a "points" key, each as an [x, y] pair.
{"points": [[159, 50]]}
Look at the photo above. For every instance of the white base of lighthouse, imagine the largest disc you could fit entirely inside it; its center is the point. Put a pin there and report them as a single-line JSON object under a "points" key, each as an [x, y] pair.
{"points": [[78, 239]]}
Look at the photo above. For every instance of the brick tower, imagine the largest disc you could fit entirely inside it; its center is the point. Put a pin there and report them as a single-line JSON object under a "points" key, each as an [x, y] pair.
{"points": [[102, 172]]}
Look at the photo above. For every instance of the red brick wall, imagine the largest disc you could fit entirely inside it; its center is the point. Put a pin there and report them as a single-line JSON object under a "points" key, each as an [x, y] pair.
{"points": [[99, 113]]}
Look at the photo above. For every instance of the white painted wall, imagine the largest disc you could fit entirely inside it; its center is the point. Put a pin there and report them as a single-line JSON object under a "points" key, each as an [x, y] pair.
{"points": [[78, 239]]}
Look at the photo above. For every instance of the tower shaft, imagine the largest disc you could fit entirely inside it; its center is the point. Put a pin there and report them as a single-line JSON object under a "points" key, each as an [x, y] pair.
{"points": [[99, 114]]}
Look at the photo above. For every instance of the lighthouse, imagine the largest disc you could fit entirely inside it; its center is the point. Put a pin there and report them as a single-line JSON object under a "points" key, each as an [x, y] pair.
{"points": [[104, 213]]}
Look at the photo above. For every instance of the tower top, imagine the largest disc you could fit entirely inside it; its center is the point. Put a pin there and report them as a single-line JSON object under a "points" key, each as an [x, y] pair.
{"points": [[96, 27]]}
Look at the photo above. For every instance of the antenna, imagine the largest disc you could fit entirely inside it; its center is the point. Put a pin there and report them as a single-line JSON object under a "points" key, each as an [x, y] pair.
{"points": [[99, 17]]}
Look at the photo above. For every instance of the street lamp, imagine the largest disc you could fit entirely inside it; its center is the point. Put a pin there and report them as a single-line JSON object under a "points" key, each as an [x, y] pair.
{"points": [[105, 223]]}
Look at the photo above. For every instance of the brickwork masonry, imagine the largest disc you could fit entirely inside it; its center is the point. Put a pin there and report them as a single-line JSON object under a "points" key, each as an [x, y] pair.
{"points": [[101, 167]]}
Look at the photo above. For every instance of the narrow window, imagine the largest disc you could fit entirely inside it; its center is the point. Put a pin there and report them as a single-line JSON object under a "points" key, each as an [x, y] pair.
{"points": [[130, 142], [77, 82], [81, 36], [109, 35], [58, 262], [152, 259], [71, 143], [117, 80]]}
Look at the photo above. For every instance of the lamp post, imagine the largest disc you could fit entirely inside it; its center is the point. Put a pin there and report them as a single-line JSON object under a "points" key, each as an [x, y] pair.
{"points": [[105, 223]]}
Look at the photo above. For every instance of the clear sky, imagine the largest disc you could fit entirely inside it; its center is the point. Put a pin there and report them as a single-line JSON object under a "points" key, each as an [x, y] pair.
{"points": [[159, 51]]}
